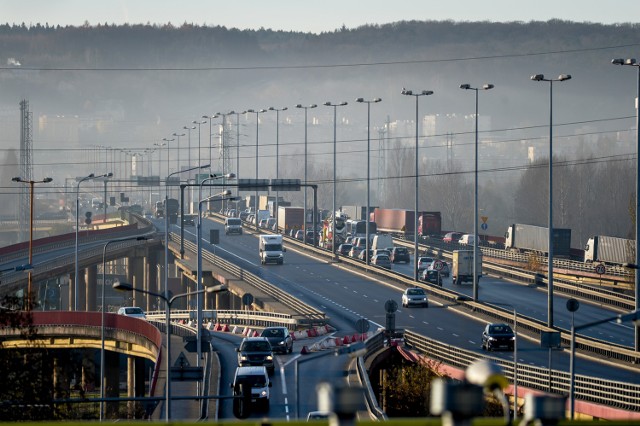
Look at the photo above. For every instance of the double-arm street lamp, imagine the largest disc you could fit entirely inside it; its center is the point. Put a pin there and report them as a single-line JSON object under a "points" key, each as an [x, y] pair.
{"points": [[333, 206], [178, 165], [367, 218], [237, 114], [633, 316], [31, 188], [102, 316], [199, 123], [476, 242], [167, 140], [199, 252], [632, 62], [257, 113], [168, 302], [277, 159], [210, 119], [77, 270], [305, 171], [415, 213], [540, 77]]}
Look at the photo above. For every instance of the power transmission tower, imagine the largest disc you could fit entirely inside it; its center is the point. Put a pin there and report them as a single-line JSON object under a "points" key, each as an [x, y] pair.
{"points": [[26, 167]]}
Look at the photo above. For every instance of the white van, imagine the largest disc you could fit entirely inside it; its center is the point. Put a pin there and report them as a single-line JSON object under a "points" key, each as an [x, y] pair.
{"points": [[466, 240], [232, 225], [258, 379]]}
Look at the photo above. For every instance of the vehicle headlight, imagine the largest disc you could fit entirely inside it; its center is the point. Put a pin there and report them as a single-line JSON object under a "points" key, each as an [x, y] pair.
{"points": [[243, 357], [269, 357], [281, 342], [424, 299], [492, 338], [513, 337], [263, 393]]}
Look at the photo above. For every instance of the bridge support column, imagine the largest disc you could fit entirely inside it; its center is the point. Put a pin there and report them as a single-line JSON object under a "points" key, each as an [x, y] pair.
{"points": [[153, 279], [111, 383], [91, 289], [61, 375], [89, 379], [135, 385], [72, 290], [223, 300], [82, 291], [136, 276]]}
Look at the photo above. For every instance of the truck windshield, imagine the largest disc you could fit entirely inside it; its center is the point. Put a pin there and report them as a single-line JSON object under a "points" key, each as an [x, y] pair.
{"points": [[273, 247], [233, 221]]}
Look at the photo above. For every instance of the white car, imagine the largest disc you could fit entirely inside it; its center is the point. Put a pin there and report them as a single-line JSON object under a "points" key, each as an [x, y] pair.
{"points": [[257, 378], [132, 311]]}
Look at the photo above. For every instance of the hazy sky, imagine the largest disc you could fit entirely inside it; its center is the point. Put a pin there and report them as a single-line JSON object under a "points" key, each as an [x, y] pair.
{"points": [[308, 16]]}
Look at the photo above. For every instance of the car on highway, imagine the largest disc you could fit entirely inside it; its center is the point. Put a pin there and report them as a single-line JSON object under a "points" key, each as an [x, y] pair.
{"points": [[381, 260], [255, 351], [415, 296], [431, 276], [424, 262], [132, 311], [498, 336], [445, 270], [344, 249], [399, 254], [280, 339], [452, 237], [189, 220], [257, 378], [355, 251]]}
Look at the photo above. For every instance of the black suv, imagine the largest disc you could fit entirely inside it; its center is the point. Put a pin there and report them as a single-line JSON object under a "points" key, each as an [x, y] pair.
{"points": [[279, 338], [399, 254], [256, 351], [498, 336]]}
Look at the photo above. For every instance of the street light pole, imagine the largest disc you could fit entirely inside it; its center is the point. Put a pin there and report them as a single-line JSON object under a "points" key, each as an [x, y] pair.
{"points": [[189, 164], [415, 213], [315, 236], [633, 316], [540, 77], [31, 188], [476, 241], [367, 242], [257, 138], [178, 165], [168, 303], [277, 159], [199, 123], [333, 212], [102, 337], [632, 62], [167, 140], [77, 270]]}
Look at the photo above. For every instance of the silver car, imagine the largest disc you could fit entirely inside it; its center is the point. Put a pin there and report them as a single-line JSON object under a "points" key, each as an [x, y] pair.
{"points": [[381, 260], [415, 296]]}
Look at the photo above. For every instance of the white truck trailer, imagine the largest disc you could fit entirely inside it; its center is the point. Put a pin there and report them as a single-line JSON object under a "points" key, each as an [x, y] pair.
{"points": [[613, 250], [462, 270]]}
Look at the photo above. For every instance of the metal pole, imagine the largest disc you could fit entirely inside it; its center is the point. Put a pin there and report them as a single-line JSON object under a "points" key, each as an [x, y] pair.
{"points": [[515, 364], [415, 212], [550, 264], [30, 279], [572, 376], [475, 207], [333, 211], [637, 273], [367, 242]]}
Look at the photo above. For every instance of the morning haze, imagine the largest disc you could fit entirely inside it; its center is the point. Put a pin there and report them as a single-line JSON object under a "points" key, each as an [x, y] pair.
{"points": [[98, 90]]}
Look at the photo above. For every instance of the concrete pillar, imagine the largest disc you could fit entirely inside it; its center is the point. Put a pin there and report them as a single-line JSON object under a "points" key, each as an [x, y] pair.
{"points": [[72, 290], [89, 379], [152, 279], [111, 383], [223, 300], [61, 373], [91, 289], [82, 290]]}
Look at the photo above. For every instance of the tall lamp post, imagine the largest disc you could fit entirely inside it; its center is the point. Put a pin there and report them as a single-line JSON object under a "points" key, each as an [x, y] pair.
{"points": [[540, 77], [333, 207], [210, 119], [102, 316], [31, 188], [415, 214], [632, 62], [368, 219], [199, 254], [77, 270], [178, 165], [277, 159], [168, 303], [257, 113], [633, 316], [199, 123], [306, 108], [167, 140], [237, 114], [476, 242]]}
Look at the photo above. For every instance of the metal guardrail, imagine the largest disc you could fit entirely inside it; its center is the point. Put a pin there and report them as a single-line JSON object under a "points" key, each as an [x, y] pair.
{"points": [[308, 315], [597, 390], [230, 317]]}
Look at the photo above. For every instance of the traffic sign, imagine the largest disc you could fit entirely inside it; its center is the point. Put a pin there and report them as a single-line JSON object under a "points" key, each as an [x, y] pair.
{"points": [[600, 269], [362, 325], [183, 374], [390, 306], [484, 226], [182, 361], [438, 265]]}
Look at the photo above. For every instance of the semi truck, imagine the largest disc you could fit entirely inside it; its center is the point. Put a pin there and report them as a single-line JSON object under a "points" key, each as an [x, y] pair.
{"points": [[400, 221], [613, 250], [271, 249], [520, 237], [290, 218], [462, 269]]}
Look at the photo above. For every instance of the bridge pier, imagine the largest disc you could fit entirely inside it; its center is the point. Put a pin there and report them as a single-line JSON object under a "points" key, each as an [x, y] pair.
{"points": [[91, 289], [72, 290], [111, 383]]}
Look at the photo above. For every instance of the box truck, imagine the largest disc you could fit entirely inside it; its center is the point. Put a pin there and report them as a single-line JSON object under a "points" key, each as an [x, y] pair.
{"points": [[290, 218], [271, 249], [462, 270], [521, 238], [601, 248]]}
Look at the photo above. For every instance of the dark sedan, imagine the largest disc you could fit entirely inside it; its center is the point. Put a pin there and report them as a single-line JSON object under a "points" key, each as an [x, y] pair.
{"points": [[279, 338], [498, 336]]}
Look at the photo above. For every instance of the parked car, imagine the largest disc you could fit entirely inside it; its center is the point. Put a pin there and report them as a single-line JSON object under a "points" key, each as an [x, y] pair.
{"points": [[431, 276], [256, 351], [381, 260], [424, 262], [415, 296], [132, 311], [452, 237], [257, 378], [498, 336], [279, 338], [399, 254], [344, 249]]}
